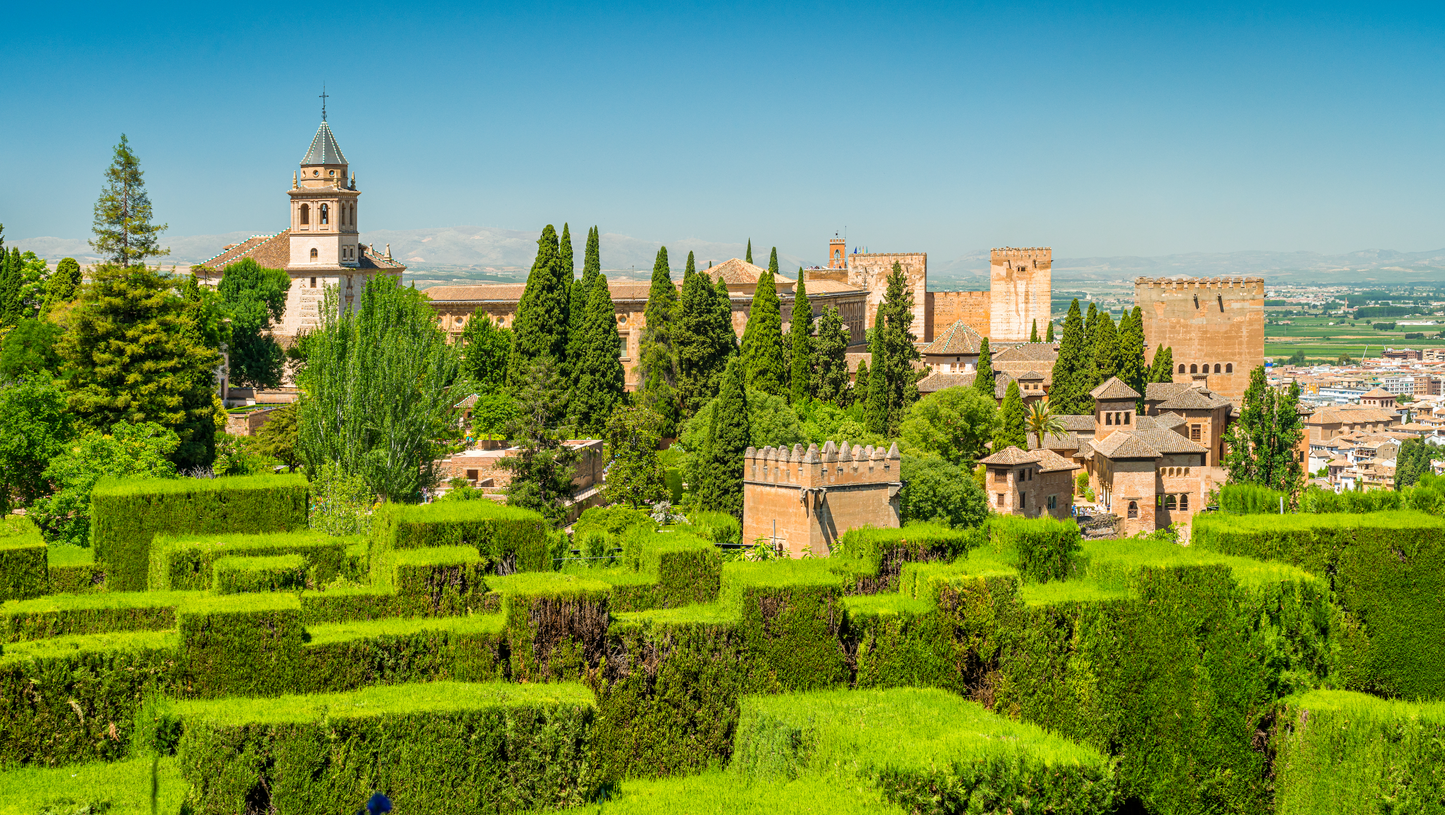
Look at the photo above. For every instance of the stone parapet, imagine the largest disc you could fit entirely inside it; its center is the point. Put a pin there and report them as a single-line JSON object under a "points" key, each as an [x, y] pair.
{"points": [[801, 500]]}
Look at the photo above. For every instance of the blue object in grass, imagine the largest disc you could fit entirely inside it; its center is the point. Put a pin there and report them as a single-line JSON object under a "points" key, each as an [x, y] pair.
{"points": [[376, 804]]}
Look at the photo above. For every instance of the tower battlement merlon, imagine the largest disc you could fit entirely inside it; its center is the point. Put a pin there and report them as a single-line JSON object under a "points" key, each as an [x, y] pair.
{"points": [[1250, 284], [1039, 256], [889, 255]]}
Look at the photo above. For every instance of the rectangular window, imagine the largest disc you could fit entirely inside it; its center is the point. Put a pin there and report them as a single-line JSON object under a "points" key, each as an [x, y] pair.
{"points": [[1000, 499], [1053, 502], [1194, 433], [313, 282], [1126, 417], [1108, 418], [472, 476]]}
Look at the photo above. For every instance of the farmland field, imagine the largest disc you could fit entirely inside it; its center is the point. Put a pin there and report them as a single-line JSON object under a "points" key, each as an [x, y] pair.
{"points": [[1329, 337]]}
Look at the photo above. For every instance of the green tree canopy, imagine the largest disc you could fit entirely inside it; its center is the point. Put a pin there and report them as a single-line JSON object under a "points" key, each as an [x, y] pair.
{"points": [[61, 287], [657, 351], [1132, 369], [1013, 421], [1034, 332], [1261, 446], [719, 483], [1412, 462], [1106, 348], [701, 354], [486, 351], [138, 351], [543, 466], [255, 298], [800, 331], [749, 256], [600, 382], [939, 491], [1074, 370], [30, 348], [277, 437], [34, 427], [124, 450], [635, 473], [983, 378], [892, 384], [11, 305], [540, 327], [379, 391], [762, 355], [1049, 332], [955, 423], [1162, 368], [581, 293], [123, 230], [830, 369]]}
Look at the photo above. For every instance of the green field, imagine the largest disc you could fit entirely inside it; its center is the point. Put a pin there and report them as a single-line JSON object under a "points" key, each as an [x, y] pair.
{"points": [[1321, 340]]}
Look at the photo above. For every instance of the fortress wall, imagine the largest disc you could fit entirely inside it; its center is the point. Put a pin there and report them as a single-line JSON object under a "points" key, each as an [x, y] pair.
{"points": [[1020, 288], [1216, 321], [870, 272], [948, 307]]}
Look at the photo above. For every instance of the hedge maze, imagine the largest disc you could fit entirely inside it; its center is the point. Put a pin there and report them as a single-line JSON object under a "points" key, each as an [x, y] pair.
{"points": [[213, 649]]}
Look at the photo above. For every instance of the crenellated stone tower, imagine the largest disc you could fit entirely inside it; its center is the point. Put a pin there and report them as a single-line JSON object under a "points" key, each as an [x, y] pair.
{"points": [[1215, 326], [804, 500], [1020, 289]]}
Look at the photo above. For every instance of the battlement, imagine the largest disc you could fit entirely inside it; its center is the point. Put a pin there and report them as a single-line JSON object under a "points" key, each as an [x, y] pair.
{"points": [[1038, 255], [922, 256], [833, 465], [1246, 285]]}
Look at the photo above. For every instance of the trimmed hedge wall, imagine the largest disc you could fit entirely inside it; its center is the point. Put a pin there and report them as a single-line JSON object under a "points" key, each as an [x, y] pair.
{"points": [[73, 570], [1042, 549], [874, 558], [23, 565], [347, 656], [927, 750], [437, 748], [509, 539], [1387, 571], [1341, 753], [248, 575], [62, 615], [247, 645], [126, 515], [556, 625], [186, 562], [687, 570]]}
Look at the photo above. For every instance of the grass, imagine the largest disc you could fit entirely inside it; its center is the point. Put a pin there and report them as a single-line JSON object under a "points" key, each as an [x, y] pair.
{"points": [[118, 788], [74, 643], [403, 626], [435, 697]]}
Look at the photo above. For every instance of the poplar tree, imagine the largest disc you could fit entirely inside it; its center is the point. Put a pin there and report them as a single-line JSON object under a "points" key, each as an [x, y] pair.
{"points": [[720, 487], [1049, 332], [1034, 332], [599, 382], [539, 328], [123, 230], [700, 357], [62, 286], [581, 294], [657, 354], [830, 352], [800, 330], [1013, 426], [983, 379], [1131, 350], [1073, 369], [1162, 369], [763, 340], [1106, 347]]}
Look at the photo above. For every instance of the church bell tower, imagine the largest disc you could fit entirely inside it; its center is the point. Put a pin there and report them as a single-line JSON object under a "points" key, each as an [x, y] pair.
{"points": [[323, 208]]}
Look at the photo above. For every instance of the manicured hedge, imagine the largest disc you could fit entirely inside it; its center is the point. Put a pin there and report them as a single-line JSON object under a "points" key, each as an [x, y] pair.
{"points": [[245, 575], [684, 570], [73, 699], [791, 612], [23, 565], [441, 581], [240, 645], [1251, 499], [1042, 549], [1387, 571], [351, 655], [1341, 753], [436, 748], [927, 750], [182, 562], [126, 515], [61, 615], [556, 624], [73, 570], [876, 556], [509, 539]]}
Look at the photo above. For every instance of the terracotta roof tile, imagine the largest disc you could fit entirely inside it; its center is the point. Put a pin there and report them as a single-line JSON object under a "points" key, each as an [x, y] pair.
{"points": [[1124, 445], [1028, 352], [1194, 399], [1008, 457], [1114, 388], [1076, 423], [736, 272], [957, 339], [936, 382]]}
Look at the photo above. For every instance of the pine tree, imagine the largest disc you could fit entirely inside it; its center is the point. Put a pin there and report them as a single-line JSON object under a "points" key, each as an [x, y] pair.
{"points": [[860, 382], [800, 330], [1131, 350], [1162, 369], [983, 379], [657, 354], [763, 340], [600, 381], [62, 286], [1013, 428], [1049, 332], [123, 230], [1106, 347], [749, 257], [1034, 332], [720, 487], [1073, 369], [893, 385], [700, 357], [830, 352], [539, 329]]}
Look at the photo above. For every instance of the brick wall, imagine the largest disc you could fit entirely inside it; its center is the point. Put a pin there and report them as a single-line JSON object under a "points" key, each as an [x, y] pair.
{"points": [[803, 500], [948, 307], [1209, 323]]}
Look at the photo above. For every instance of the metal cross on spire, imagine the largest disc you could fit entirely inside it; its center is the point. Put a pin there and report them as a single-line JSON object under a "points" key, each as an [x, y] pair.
{"points": [[323, 101]]}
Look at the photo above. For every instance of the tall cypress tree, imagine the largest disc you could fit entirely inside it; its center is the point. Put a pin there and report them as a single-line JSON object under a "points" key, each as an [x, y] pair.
{"points": [[600, 381], [983, 379], [720, 474], [657, 354], [566, 275], [581, 295], [1049, 333], [749, 257], [763, 340], [892, 385], [1106, 347], [725, 339], [860, 383], [1162, 368], [539, 328], [690, 269], [1073, 369], [1013, 427], [1034, 332], [773, 263], [1131, 350], [800, 330], [1091, 325], [699, 355], [830, 354], [11, 306]]}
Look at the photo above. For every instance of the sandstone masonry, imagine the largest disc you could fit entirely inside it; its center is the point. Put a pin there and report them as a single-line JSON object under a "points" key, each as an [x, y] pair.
{"points": [[804, 500]]}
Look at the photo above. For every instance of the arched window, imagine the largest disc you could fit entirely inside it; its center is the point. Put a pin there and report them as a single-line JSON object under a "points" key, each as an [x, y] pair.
{"points": [[1216, 367], [1193, 369], [1169, 502], [1229, 367], [313, 254], [1181, 367], [1184, 502], [305, 214], [1133, 510], [325, 214]]}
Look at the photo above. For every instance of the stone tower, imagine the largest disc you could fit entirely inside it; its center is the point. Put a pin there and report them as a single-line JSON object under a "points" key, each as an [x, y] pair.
{"points": [[1215, 327], [323, 208], [837, 253], [1020, 289], [802, 501]]}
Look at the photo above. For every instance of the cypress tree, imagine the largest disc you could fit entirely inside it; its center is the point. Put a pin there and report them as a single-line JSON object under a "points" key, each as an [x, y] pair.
{"points": [[1034, 332], [763, 340], [773, 263], [581, 294], [801, 332], [10, 303], [700, 356], [1049, 333], [566, 275], [875, 408], [720, 487], [892, 386], [690, 269], [725, 339], [1091, 325], [1131, 350], [1013, 427], [657, 355], [749, 257], [983, 379], [539, 328], [830, 353], [1162, 369], [1106, 347], [860, 382], [600, 382], [1073, 369]]}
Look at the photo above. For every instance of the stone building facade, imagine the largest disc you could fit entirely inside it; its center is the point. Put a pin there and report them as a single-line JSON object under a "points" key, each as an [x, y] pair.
{"points": [[1030, 483], [321, 250], [1020, 292], [1215, 327], [802, 501]]}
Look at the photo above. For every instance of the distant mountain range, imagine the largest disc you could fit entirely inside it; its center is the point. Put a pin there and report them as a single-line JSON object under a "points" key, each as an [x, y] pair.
{"points": [[464, 253]]}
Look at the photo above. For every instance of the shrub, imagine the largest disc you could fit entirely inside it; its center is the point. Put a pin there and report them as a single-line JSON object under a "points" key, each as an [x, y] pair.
{"points": [[1250, 499], [1042, 549], [1321, 501], [613, 520], [556, 624], [240, 646], [73, 569], [877, 556], [24, 569], [185, 562], [935, 490], [718, 527], [398, 650], [239, 575], [439, 748], [60, 615], [127, 515], [508, 538], [439, 581], [341, 502], [685, 570]]}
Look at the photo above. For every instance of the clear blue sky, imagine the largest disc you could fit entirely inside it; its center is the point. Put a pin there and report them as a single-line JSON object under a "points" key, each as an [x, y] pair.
{"points": [[1095, 128]]}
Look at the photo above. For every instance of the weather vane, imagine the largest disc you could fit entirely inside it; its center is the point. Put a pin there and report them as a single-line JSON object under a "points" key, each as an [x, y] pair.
{"points": [[323, 101]]}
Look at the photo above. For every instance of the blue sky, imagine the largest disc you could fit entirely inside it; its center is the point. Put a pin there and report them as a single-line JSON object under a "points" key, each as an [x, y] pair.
{"points": [[1095, 128]]}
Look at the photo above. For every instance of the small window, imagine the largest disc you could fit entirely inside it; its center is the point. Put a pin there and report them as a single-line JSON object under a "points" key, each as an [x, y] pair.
{"points": [[1169, 502], [313, 280], [1216, 367], [333, 173], [1053, 502], [1108, 418], [472, 476], [1126, 417], [1229, 367], [325, 214], [999, 500], [313, 254], [305, 214], [1193, 369], [1133, 510], [1181, 367], [1184, 502], [1194, 433]]}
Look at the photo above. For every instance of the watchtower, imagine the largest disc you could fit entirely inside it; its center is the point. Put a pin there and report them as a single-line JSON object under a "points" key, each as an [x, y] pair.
{"points": [[1020, 288], [804, 500], [1214, 325], [837, 253]]}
